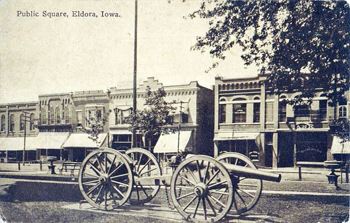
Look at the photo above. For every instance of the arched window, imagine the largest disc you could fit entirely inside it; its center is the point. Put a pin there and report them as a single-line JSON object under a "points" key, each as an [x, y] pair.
{"points": [[3, 123], [52, 116], [31, 126], [43, 116], [12, 123], [66, 115], [21, 122], [58, 115], [302, 113]]}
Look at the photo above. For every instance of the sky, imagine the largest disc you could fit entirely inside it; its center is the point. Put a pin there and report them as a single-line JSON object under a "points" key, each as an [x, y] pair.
{"points": [[41, 55]]}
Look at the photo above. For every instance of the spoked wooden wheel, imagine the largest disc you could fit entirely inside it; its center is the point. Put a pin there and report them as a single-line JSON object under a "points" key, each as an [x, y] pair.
{"points": [[247, 190], [145, 168], [206, 189], [105, 179]]}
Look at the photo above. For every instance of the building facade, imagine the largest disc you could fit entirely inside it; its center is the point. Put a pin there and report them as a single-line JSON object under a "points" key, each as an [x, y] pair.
{"points": [[251, 121]]}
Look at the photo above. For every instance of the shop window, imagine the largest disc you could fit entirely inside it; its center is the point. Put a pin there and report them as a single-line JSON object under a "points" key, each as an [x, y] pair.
{"points": [[323, 110], [239, 113], [282, 112], [3, 123], [222, 113], [256, 117], [12, 123], [31, 124], [302, 113], [342, 111]]}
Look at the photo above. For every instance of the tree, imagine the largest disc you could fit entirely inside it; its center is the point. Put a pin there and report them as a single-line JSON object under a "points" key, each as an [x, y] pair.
{"points": [[154, 119], [94, 126], [302, 46]]}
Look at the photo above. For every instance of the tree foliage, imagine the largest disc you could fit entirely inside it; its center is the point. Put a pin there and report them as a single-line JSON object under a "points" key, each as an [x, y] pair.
{"points": [[154, 118], [300, 45], [94, 126]]}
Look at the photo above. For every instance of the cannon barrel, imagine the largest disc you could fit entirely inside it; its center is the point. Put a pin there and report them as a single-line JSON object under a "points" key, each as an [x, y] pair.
{"points": [[252, 173]]}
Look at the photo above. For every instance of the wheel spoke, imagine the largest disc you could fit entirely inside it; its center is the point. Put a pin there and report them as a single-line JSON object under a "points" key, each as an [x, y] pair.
{"points": [[149, 160], [204, 208], [199, 171], [212, 177], [189, 203], [148, 171], [219, 192], [206, 173], [217, 201], [188, 180], [193, 176], [240, 197], [137, 192], [183, 196], [118, 191], [139, 163], [247, 185], [105, 162], [99, 162], [98, 194], [94, 169], [105, 190], [94, 176], [112, 195], [116, 168], [251, 195], [93, 188], [120, 183], [216, 184], [211, 206], [144, 191], [91, 182], [110, 167], [121, 175], [195, 210]]}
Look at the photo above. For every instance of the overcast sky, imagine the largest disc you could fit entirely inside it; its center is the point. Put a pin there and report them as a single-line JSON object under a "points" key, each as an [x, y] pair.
{"points": [[41, 55]]}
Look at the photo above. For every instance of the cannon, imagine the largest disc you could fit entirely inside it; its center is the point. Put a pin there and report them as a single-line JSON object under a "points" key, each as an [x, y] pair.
{"points": [[201, 188]]}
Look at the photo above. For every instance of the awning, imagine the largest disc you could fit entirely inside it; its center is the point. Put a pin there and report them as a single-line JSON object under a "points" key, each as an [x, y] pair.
{"points": [[168, 143], [16, 143], [222, 136], [50, 140], [82, 140], [339, 147]]}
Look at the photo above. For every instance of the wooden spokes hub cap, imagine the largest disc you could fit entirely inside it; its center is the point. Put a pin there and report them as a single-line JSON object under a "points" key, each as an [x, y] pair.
{"points": [[200, 189]]}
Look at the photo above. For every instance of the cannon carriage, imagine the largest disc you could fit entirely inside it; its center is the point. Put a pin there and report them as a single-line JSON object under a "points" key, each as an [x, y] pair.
{"points": [[201, 188]]}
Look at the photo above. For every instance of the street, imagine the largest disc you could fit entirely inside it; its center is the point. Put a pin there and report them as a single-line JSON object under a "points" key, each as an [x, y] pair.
{"points": [[288, 201]]}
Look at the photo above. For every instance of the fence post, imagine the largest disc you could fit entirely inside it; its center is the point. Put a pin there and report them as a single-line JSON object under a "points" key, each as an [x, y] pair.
{"points": [[41, 165], [299, 167], [19, 165]]}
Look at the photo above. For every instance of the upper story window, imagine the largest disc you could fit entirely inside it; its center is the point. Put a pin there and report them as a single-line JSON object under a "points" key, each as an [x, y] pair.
{"points": [[58, 115], [323, 110], [52, 116], [222, 113], [31, 124], [66, 115], [2, 123], [302, 113], [21, 122], [256, 117], [43, 116], [80, 118], [282, 112], [12, 123], [342, 111], [239, 113], [122, 116]]}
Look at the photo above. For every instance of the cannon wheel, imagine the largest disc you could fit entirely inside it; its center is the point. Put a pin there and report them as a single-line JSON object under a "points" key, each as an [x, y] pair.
{"points": [[145, 165], [247, 190], [206, 189], [105, 179]]}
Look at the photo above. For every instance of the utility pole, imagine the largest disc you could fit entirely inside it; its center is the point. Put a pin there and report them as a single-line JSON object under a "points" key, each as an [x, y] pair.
{"points": [[25, 133], [135, 75]]}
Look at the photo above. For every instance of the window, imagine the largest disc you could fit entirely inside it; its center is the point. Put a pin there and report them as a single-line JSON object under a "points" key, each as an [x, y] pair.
{"points": [[52, 116], [302, 113], [122, 116], [31, 125], [21, 122], [12, 123], [66, 115], [342, 111], [256, 117], [323, 110], [3, 123], [184, 118], [58, 115], [282, 112], [239, 113], [80, 118], [222, 113], [43, 116]]}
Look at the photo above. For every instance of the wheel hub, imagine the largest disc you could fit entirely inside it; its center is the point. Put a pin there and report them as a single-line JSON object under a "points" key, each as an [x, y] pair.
{"points": [[104, 179], [200, 189]]}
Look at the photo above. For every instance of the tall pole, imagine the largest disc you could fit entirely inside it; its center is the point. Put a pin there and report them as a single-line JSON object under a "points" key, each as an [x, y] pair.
{"points": [[135, 74]]}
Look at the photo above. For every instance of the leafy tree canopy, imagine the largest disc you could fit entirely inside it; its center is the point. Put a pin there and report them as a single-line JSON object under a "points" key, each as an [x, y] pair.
{"points": [[154, 118], [300, 45]]}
